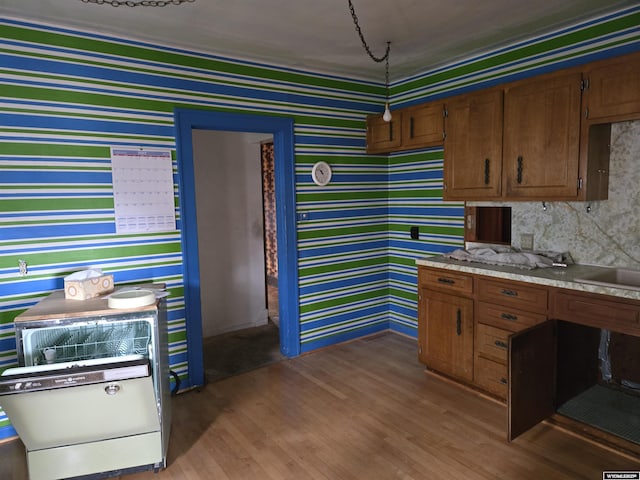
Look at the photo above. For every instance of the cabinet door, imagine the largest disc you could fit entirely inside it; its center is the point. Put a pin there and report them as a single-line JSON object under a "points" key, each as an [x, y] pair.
{"points": [[612, 92], [423, 125], [473, 146], [541, 138], [383, 137], [422, 325], [532, 377], [449, 334]]}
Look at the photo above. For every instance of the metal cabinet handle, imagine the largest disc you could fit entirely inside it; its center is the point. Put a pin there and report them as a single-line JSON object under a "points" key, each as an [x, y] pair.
{"points": [[509, 293], [411, 127], [508, 316], [486, 171], [390, 131], [459, 322], [112, 389], [503, 381], [501, 344], [446, 281], [519, 179]]}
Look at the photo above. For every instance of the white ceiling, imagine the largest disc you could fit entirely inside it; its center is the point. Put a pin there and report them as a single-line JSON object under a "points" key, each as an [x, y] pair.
{"points": [[319, 35]]}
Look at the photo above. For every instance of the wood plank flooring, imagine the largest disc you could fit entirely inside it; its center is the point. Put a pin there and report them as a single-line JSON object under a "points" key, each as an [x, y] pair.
{"points": [[360, 410]]}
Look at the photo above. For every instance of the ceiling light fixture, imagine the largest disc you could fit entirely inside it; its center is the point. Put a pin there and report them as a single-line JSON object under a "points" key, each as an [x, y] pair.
{"points": [[139, 3], [387, 113]]}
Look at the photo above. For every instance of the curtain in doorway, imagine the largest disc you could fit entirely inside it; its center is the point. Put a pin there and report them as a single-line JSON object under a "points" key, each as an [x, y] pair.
{"points": [[269, 206]]}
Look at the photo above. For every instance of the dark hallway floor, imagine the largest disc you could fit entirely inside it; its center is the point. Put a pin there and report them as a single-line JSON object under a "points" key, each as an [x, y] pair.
{"points": [[244, 350], [241, 351]]}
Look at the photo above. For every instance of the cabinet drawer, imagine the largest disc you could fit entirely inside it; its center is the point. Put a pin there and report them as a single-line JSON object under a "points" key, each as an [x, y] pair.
{"points": [[507, 318], [446, 281], [491, 376], [608, 313], [492, 343], [513, 294]]}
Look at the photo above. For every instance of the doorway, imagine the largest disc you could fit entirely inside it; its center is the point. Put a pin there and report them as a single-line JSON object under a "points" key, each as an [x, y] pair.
{"points": [[270, 229], [229, 212], [282, 130]]}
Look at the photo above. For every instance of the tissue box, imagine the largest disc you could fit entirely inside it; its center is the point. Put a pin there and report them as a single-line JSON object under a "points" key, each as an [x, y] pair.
{"points": [[85, 288]]}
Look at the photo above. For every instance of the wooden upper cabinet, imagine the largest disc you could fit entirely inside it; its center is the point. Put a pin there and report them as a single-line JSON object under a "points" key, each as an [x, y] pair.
{"points": [[611, 94], [384, 137], [423, 125], [537, 139], [473, 146], [542, 138], [410, 128], [612, 89]]}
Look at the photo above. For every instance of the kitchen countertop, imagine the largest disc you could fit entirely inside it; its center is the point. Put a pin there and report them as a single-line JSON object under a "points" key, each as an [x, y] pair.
{"points": [[560, 277], [56, 306]]}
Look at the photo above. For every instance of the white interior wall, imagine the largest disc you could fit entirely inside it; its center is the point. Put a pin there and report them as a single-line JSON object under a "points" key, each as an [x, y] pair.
{"points": [[230, 230]]}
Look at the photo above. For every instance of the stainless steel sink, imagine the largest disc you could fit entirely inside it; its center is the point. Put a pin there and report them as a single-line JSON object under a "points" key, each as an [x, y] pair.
{"points": [[614, 277]]}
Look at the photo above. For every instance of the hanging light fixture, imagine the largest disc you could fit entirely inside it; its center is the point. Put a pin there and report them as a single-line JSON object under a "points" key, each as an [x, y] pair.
{"points": [[385, 58], [138, 3]]}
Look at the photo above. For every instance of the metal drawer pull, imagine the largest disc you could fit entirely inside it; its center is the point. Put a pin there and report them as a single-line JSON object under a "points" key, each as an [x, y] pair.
{"points": [[508, 316], [501, 344], [447, 281], [112, 389], [509, 293], [459, 322], [503, 381]]}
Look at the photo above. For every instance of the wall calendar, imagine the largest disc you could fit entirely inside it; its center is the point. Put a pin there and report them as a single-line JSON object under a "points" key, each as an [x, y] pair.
{"points": [[143, 192]]}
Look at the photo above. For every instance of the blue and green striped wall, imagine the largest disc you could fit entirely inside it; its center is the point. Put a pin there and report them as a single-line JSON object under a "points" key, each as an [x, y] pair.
{"points": [[67, 96]]}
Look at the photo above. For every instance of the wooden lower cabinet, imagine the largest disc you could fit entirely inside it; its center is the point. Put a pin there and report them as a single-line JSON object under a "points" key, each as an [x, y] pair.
{"points": [[532, 364], [448, 344], [537, 348], [491, 376], [445, 325], [502, 308]]}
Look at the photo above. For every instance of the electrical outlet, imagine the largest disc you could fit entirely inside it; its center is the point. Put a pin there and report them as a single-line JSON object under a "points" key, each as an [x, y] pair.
{"points": [[22, 265], [526, 241]]}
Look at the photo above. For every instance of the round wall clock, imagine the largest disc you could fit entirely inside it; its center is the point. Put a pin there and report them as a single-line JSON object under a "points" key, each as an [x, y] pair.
{"points": [[321, 173]]}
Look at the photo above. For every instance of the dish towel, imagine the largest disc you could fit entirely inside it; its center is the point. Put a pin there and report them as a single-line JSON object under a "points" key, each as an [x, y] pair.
{"points": [[511, 257]]}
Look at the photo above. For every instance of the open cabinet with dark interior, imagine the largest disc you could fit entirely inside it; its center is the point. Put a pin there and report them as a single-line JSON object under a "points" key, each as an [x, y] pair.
{"points": [[583, 377], [487, 224]]}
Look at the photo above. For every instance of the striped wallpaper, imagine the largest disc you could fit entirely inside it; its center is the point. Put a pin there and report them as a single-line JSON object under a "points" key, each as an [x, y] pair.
{"points": [[68, 96]]}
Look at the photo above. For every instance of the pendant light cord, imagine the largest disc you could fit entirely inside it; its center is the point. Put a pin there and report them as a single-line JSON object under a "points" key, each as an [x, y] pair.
{"points": [[364, 42], [384, 58]]}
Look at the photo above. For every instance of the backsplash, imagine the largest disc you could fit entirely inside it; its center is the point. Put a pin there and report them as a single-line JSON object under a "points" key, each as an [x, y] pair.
{"points": [[607, 235]]}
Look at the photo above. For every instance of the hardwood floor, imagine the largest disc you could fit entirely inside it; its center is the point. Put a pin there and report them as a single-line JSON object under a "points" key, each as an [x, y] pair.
{"points": [[361, 410]]}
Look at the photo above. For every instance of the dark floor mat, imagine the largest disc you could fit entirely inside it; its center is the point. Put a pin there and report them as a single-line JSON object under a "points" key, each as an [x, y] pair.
{"points": [[241, 351], [607, 409]]}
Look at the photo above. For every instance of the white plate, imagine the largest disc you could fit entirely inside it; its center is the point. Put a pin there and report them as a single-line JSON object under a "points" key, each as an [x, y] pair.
{"points": [[131, 298]]}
